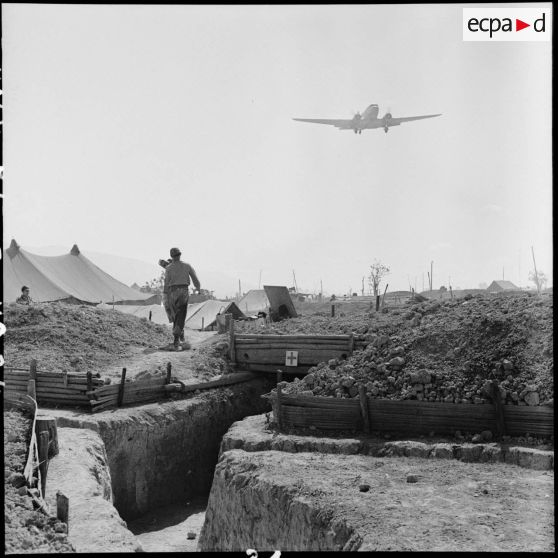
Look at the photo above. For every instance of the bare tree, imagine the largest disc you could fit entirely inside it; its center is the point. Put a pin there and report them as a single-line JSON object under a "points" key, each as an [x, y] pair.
{"points": [[377, 272], [539, 278], [155, 285]]}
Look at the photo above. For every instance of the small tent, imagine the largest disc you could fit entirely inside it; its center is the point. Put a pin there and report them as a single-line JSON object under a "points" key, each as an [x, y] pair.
{"points": [[500, 286], [71, 277], [254, 301], [204, 315], [158, 314]]}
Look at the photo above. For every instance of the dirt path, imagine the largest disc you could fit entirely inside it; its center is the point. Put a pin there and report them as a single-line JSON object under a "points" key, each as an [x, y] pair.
{"points": [[149, 359], [166, 529]]}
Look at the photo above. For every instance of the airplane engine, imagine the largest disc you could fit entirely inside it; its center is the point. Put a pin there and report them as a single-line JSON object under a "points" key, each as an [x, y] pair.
{"points": [[387, 116]]}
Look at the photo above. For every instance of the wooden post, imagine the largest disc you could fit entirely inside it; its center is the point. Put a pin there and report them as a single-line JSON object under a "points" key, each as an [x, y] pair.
{"points": [[451, 293], [121, 390], [364, 408], [231, 342], [333, 310], [63, 510], [383, 297], [150, 314], [89, 381], [169, 368], [377, 303], [65, 378], [32, 383], [203, 320], [33, 370], [351, 344], [47, 424], [43, 460], [279, 393], [32, 389], [499, 408]]}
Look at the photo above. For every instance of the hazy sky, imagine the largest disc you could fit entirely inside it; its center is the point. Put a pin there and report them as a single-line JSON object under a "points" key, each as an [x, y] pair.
{"points": [[131, 129]]}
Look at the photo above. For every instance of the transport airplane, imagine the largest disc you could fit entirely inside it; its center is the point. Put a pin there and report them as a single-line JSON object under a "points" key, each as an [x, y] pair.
{"points": [[367, 120]]}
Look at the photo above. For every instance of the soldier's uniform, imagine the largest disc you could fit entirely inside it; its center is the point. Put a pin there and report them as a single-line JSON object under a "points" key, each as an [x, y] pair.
{"points": [[177, 280]]}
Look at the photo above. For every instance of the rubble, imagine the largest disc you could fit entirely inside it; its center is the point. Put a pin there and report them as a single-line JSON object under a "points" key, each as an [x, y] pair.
{"points": [[449, 357]]}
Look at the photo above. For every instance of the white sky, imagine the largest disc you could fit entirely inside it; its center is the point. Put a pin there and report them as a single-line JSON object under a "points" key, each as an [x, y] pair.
{"points": [[131, 129]]}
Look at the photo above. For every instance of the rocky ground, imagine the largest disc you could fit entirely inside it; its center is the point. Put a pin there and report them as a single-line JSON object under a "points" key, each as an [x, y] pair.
{"points": [[81, 338], [26, 529], [437, 351]]}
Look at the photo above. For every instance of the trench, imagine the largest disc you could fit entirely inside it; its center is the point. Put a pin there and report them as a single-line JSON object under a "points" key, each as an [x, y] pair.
{"points": [[162, 458]]}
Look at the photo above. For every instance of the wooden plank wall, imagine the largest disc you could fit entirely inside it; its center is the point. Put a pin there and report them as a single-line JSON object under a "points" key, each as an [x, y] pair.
{"points": [[260, 352], [412, 417]]}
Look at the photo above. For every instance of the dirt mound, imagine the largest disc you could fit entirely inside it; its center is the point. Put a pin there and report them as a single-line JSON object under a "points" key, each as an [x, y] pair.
{"points": [[65, 337], [440, 351], [26, 530]]}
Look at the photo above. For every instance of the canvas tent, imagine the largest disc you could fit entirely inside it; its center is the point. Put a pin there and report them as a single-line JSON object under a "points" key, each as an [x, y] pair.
{"points": [[499, 286], [254, 301], [158, 314], [204, 314], [70, 277]]}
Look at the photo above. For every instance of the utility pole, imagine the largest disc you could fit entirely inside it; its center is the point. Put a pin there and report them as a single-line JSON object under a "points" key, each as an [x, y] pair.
{"points": [[239, 290], [260, 280], [431, 274], [321, 290], [363, 286], [502, 273], [536, 274], [294, 279]]}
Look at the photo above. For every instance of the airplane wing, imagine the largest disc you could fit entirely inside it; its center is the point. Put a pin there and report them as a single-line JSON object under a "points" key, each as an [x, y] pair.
{"points": [[396, 121], [337, 123]]}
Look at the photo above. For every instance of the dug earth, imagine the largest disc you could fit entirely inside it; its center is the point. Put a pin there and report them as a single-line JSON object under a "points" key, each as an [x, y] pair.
{"points": [[279, 492]]}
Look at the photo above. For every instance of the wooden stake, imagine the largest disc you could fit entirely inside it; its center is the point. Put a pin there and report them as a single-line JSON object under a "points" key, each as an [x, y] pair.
{"points": [[31, 389], [121, 390], [231, 342], [43, 460], [377, 303], [169, 368], [351, 344], [89, 381], [32, 382], [47, 424], [279, 394], [383, 297], [203, 320], [333, 310], [499, 408], [63, 510], [364, 408]]}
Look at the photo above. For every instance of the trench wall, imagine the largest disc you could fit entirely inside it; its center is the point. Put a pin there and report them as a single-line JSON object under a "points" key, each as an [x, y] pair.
{"points": [[163, 453], [248, 508]]}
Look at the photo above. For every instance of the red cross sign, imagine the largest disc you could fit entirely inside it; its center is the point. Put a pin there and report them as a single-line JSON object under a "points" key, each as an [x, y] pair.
{"points": [[291, 358]]}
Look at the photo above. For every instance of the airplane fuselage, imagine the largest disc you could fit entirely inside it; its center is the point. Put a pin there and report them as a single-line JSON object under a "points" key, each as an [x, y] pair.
{"points": [[369, 120]]}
